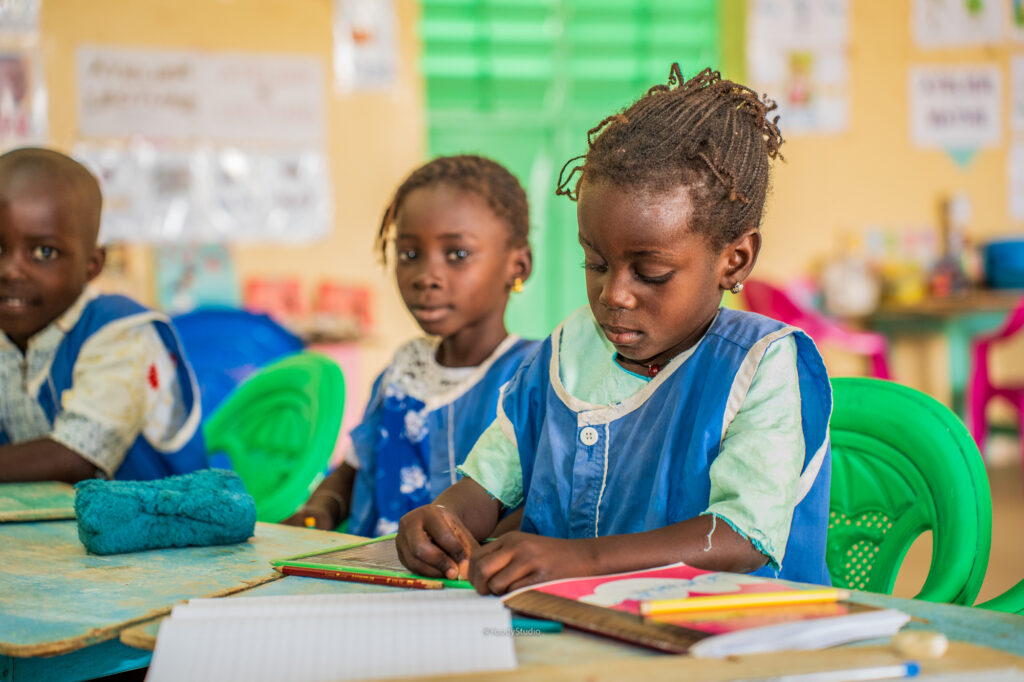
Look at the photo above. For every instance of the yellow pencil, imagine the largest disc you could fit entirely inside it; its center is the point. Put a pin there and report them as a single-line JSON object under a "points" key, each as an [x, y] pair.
{"points": [[742, 600]]}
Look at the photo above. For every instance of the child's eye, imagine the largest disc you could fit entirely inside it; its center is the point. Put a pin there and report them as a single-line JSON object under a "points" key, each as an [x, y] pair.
{"points": [[44, 253], [649, 279], [405, 255], [458, 254], [594, 267]]}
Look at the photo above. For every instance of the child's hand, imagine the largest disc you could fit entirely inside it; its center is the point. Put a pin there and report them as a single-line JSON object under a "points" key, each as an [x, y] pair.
{"points": [[432, 541], [322, 518], [519, 559]]}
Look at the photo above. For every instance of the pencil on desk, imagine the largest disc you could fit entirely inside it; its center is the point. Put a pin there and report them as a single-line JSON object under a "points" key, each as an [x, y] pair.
{"points": [[392, 581], [741, 600]]}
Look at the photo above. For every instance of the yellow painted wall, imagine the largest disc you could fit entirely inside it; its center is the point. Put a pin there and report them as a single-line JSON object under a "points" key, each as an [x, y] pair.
{"points": [[373, 140], [873, 174], [828, 186]]}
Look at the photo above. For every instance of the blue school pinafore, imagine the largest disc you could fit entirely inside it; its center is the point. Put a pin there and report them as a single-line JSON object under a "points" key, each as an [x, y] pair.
{"points": [[641, 464], [408, 446]]}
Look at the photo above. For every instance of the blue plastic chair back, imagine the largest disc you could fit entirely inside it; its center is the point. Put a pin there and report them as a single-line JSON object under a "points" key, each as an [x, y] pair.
{"points": [[225, 345]]}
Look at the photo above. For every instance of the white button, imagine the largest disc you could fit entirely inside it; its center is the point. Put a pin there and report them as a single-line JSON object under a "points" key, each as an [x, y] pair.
{"points": [[588, 436]]}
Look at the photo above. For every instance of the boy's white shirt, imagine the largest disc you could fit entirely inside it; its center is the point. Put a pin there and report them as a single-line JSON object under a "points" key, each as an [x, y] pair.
{"points": [[124, 383], [755, 477]]}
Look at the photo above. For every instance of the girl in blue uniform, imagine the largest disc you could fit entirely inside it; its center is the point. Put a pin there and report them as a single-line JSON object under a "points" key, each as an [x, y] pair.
{"points": [[460, 230], [653, 426]]}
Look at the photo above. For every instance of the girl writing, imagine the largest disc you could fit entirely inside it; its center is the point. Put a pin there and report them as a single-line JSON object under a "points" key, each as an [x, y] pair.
{"points": [[460, 230], [653, 426]]}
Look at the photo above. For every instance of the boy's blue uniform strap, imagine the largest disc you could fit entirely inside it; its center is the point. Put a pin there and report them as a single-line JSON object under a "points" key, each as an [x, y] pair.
{"points": [[186, 452]]}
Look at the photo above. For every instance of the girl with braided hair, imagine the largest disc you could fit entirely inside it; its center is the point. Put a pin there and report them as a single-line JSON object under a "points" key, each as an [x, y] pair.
{"points": [[653, 426], [460, 228]]}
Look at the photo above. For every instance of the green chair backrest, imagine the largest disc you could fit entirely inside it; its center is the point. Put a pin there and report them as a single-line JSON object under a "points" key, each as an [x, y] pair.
{"points": [[903, 464], [1011, 601], [279, 428]]}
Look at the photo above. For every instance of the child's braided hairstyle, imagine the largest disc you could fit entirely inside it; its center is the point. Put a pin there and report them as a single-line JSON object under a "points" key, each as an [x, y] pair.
{"points": [[708, 134], [486, 178]]}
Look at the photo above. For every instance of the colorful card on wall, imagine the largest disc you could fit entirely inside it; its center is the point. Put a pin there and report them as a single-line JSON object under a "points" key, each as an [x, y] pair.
{"points": [[191, 276]]}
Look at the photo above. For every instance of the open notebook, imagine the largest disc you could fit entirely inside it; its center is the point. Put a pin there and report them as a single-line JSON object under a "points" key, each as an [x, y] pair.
{"points": [[612, 605], [333, 637]]}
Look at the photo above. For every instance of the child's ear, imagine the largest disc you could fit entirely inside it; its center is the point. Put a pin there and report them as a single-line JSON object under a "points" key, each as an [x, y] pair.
{"points": [[94, 266], [739, 257], [520, 263]]}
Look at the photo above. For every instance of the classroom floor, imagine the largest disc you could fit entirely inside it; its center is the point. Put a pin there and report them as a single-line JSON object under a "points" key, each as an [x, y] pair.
{"points": [[1006, 562]]}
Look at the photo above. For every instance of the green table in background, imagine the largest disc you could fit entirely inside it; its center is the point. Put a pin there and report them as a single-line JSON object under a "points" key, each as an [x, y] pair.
{"points": [[958, 319]]}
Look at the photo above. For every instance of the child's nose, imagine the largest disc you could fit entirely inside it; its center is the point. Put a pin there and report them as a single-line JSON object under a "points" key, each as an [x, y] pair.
{"points": [[428, 275], [615, 291], [11, 267]]}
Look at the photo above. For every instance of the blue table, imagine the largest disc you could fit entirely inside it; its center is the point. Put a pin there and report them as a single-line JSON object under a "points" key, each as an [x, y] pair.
{"points": [[62, 610]]}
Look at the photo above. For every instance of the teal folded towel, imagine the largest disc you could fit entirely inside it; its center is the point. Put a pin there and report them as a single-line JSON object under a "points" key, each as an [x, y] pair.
{"points": [[207, 507]]}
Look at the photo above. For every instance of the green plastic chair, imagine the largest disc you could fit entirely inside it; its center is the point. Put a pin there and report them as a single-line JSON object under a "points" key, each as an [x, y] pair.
{"points": [[1011, 601], [902, 464], [279, 428]]}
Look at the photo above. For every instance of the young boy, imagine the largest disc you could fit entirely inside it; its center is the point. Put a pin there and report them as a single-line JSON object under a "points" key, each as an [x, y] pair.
{"points": [[90, 385]]}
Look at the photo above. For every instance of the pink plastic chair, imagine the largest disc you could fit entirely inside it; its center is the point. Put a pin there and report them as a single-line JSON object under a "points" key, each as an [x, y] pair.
{"points": [[773, 302], [981, 389]]}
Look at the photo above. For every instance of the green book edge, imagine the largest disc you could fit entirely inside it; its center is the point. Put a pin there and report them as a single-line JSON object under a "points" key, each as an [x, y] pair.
{"points": [[297, 561]]}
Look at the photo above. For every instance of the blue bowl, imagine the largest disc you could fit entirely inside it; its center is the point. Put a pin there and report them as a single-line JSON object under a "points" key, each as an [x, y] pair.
{"points": [[1004, 263]]}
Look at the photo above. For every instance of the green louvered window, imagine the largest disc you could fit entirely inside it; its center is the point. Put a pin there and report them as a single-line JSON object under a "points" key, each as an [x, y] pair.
{"points": [[521, 81]]}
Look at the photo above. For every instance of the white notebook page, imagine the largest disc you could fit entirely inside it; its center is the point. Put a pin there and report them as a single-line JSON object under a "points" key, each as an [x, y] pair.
{"points": [[333, 637]]}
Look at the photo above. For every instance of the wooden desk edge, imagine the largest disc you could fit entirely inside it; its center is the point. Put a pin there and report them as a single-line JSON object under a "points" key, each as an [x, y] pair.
{"points": [[100, 635], [961, 657]]}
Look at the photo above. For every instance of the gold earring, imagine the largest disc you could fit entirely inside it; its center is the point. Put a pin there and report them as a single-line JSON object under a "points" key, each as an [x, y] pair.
{"points": [[737, 287], [517, 285]]}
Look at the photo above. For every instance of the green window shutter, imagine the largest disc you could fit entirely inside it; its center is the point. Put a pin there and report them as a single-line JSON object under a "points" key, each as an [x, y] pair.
{"points": [[521, 81]]}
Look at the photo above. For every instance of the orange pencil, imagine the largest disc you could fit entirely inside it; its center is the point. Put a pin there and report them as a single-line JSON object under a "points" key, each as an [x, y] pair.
{"points": [[393, 581]]}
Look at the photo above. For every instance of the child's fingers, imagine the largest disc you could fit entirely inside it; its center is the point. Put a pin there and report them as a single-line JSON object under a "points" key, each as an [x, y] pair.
{"points": [[494, 567], [514, 572], [420, 555], [454, 540]]}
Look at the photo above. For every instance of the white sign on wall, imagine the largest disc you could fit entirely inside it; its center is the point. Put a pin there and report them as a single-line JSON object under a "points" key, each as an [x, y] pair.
{"points": [[955, 107], [797, 53], [953, 23], [185, 94], [1017, 93]]}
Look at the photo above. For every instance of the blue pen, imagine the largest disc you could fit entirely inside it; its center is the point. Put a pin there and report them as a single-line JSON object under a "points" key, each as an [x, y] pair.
{"points": [[881, 672]]}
